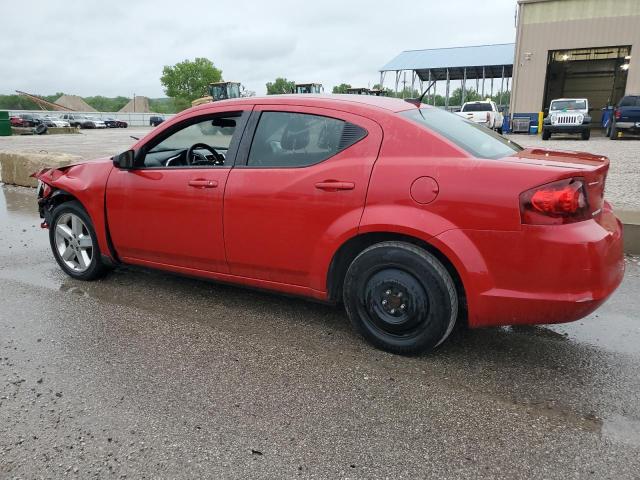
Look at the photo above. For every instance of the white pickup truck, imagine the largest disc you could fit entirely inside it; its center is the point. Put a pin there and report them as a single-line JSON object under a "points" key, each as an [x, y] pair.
{"points": [[483, 112]]}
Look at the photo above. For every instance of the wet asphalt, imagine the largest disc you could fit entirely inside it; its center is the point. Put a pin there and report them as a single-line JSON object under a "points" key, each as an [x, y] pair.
{"points": [[149, 375]]}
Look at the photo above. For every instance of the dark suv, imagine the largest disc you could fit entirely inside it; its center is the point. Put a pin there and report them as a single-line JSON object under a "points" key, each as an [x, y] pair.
{"points": [[155, 120], [626, 117]]}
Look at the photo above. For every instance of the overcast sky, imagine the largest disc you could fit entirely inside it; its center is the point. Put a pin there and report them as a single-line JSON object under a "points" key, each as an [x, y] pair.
{"points": [[111, 48]]}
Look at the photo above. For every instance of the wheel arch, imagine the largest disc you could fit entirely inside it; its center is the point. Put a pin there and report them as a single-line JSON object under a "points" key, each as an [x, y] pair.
{"points": [[350, 249]]}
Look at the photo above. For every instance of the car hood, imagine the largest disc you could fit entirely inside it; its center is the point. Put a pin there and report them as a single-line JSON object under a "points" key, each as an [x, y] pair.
{"points": [[85, 169]]}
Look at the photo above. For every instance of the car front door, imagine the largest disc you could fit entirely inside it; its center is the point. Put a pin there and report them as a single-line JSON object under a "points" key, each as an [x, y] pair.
{"points": [[167, 211], [297, 190]]}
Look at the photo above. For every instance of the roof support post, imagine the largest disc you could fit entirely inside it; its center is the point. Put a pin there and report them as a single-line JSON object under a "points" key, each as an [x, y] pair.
{"points": [[464, 85], [483, 77], [501, 86], [477, 80], [397, 80], [413, 81], [491, 87], [446, 98], [428, 83], [382, 79]]}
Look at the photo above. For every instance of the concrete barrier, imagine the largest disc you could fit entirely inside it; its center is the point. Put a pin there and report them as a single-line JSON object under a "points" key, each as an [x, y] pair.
{"points": [[50, 130], [631, 223], [15, 167]]}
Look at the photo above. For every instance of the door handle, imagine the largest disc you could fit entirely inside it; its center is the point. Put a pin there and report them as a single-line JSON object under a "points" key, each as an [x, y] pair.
{"points": [[203, 183], [334, 186]]}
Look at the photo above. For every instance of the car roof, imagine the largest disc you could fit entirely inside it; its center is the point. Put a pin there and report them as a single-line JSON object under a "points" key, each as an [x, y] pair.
{"points": [[338, 101], [567, 99]]}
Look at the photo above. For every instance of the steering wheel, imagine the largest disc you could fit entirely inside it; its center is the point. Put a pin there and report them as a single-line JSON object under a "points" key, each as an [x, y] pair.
{"points": [[195, 158]]}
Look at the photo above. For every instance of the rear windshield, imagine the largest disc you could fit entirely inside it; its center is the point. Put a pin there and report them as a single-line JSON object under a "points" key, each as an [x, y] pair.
{"points": [[477, 107], [630, 102], [475, 139], [568, 105]]}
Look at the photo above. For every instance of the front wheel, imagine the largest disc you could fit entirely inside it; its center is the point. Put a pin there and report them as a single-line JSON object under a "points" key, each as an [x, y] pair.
{"points": [[400, 298], [74, 243], [546, 134], [586, 134]]}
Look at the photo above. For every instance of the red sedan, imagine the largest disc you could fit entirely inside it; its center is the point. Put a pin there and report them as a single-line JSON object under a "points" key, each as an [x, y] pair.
{"points": [[414, 218]]}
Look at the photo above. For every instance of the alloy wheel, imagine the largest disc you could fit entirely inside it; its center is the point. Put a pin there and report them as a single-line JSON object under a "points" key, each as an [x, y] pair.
{"points": [[73, 242]]}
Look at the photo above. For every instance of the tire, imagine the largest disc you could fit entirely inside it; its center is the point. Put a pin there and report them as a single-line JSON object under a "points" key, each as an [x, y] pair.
{"points": [[499, 130], [613, 131], [40, 129], [586, 134], [546, 134], [78, 240], [400, 298]]}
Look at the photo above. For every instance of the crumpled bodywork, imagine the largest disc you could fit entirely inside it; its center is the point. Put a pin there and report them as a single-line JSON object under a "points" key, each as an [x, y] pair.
{"points": [[86, 183]]}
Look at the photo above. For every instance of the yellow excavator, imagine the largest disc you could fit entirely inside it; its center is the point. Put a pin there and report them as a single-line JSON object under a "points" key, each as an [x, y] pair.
{"points": [[219, 91]]}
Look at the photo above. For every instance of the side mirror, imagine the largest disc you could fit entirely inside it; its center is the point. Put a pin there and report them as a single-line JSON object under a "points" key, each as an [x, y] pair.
{"points": [[124, 160]]}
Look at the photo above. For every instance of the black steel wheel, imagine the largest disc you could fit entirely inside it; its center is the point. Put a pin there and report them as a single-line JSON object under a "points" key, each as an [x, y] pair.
{"points": [[400, 298]]}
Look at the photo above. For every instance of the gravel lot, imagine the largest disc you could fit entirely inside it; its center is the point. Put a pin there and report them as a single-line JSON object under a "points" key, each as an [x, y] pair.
{"points": [[623, 183]]}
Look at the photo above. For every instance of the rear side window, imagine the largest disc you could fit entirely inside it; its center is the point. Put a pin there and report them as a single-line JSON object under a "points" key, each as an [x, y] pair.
{"points": [[475, 139], [287, 139], [477, 107], [630, 102]]}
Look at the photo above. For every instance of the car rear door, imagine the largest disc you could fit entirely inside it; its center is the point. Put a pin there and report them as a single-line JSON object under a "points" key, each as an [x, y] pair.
{"points": [[297, 191], [167, 213]]}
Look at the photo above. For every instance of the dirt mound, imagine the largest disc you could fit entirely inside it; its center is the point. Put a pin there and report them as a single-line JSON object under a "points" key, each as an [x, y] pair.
{"points": [[138, 105], [75, 103]]}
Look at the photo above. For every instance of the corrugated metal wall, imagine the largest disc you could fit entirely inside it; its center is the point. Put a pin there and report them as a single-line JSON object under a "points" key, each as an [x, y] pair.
{"points": [[566, 24]]}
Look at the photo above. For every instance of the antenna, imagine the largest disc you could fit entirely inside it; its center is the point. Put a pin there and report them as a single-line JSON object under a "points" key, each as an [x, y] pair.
{"points": [[418, 101]]}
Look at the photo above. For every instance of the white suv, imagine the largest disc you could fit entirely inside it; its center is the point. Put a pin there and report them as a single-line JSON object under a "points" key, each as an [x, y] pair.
{"points": [[567, 115]]}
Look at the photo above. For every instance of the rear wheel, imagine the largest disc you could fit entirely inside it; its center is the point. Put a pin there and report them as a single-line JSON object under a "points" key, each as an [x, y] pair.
{"points": [[73, 242], [400, 298]]}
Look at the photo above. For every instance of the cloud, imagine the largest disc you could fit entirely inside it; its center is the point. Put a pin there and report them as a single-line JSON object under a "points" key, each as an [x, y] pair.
{"points": [[115, 48]]}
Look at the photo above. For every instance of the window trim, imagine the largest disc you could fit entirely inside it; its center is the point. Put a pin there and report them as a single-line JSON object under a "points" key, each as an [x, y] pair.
{"points": [[242, 159], [231, 152]]}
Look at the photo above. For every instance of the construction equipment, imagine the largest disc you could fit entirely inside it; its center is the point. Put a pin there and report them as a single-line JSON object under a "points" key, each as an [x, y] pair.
{"points": [[359, 91], [219, 91], [309, 88]]}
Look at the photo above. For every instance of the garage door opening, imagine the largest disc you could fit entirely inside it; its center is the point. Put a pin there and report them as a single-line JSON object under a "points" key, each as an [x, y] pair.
{"points": [[598, 74]]}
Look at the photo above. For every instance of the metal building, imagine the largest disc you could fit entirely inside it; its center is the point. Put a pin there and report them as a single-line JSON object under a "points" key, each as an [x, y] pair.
{"points": [[480, 65], [575, 48]]}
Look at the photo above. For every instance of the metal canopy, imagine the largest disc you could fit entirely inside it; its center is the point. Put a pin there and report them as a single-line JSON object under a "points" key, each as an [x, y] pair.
{"points": [[488, 58]]}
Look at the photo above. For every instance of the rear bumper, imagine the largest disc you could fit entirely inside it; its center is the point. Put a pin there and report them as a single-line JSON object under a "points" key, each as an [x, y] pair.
{"points": [[540, 274], [633, 127]]}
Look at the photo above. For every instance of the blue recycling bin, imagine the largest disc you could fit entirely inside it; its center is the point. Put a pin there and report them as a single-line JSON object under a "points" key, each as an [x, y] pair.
{"points": [[607, 113]]}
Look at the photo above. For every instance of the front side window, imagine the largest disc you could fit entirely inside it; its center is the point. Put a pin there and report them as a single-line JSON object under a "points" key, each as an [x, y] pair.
{"points": [[202, 144], [287, 139], [475, 139]]}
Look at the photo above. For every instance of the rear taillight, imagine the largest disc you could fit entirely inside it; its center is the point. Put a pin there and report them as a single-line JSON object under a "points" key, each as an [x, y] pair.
{"points": [[617, 114], [556, 203]]}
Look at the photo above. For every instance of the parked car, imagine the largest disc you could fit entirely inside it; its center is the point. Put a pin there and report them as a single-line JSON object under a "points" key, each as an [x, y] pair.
{"points": [[567, 115], [47, 121], [56, 122], [83, 121], [367, 202], [74, 119], [16, 121], [93, 122], [30, 119], [155, 120], [111, 122], [626, 117], [484, 112]]}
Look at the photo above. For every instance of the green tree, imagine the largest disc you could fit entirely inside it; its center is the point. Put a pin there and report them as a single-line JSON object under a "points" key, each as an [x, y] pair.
{"points": [[185, 81], [342, 88], [280, 85]]}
